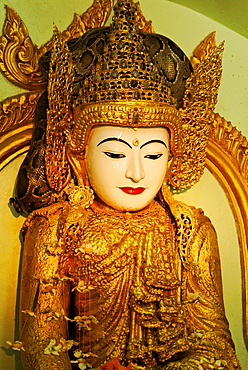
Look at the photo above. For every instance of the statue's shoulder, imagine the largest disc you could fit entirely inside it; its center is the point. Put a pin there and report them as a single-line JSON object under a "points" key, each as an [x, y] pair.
{"points": [[49, 215], [183, 213], [194, 230]]}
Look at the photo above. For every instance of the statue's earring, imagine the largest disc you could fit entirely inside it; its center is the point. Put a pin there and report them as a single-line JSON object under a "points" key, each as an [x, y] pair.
{"points": [[81, 196]]}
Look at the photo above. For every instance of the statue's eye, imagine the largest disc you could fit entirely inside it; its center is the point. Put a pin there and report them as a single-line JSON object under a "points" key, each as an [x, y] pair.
{"points": [[153, 156], [115, 155]]}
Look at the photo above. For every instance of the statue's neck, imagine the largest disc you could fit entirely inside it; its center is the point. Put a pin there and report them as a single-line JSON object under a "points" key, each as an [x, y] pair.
{"points": [[98, 204]]}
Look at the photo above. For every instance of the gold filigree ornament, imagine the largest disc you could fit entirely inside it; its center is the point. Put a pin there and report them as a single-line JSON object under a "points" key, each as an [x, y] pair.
{"points": [[81, 196]]}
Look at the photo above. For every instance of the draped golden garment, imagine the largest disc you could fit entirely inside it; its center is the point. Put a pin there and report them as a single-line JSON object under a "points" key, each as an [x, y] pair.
{"points": [[144, 287]]}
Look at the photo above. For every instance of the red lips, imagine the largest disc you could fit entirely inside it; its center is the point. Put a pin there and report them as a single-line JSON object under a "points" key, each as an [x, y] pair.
{"points": [[132, 191]]}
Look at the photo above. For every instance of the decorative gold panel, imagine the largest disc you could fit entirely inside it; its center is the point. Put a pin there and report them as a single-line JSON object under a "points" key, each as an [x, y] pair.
{"points": [[16, 125], [227, 160], [17, 110], [14, 143]]}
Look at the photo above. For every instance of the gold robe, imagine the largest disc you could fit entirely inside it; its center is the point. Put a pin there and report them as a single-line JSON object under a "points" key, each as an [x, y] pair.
{"points": [[143, 287]]}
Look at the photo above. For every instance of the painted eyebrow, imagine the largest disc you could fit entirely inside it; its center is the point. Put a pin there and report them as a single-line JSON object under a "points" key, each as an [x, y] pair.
{"points": [[153, 141], [114, 139]]}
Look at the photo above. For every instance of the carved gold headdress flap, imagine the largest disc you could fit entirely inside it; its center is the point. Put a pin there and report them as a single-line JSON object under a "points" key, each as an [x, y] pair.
{"points": [[197, 112], [59, 113]]}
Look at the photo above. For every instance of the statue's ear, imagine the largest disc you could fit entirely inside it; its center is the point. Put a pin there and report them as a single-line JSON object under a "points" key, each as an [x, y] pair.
{"points": [[77, 162]]}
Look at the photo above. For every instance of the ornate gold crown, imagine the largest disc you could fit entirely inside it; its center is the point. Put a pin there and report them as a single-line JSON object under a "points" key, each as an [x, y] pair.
{"points": [[127, 77], [120, 75], [130, 82], [124, 69]]}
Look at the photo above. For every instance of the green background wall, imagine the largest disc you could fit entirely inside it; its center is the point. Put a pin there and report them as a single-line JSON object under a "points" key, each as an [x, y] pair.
{"points": [[187, 28]]}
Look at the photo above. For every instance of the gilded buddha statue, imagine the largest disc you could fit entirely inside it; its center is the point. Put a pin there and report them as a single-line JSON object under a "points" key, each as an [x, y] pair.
{"points": [[116, 273]]}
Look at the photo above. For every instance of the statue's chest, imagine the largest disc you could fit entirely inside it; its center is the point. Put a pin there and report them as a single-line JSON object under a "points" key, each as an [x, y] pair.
{"points": [[125, 273], [102, 248]]}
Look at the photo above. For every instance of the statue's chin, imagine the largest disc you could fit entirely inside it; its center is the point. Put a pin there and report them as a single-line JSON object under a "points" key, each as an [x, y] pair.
{"points": [[132, 205]]}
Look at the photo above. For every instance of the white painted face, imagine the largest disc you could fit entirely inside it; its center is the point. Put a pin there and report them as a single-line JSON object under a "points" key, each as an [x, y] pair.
{"points": [[126, 167]]}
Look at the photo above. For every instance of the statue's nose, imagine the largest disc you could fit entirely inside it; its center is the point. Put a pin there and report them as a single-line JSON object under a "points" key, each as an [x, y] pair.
{"points": [[135, 170]]}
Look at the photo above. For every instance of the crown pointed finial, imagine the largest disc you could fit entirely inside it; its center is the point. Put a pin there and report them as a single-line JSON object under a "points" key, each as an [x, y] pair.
{"points": [[124, 16]]}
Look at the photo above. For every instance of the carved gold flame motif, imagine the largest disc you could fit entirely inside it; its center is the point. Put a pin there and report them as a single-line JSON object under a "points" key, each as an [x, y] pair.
{"points": [[18, 55]]}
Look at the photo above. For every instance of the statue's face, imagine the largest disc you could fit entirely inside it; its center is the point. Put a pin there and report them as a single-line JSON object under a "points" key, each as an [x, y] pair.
{"points": [[126, 167]]}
